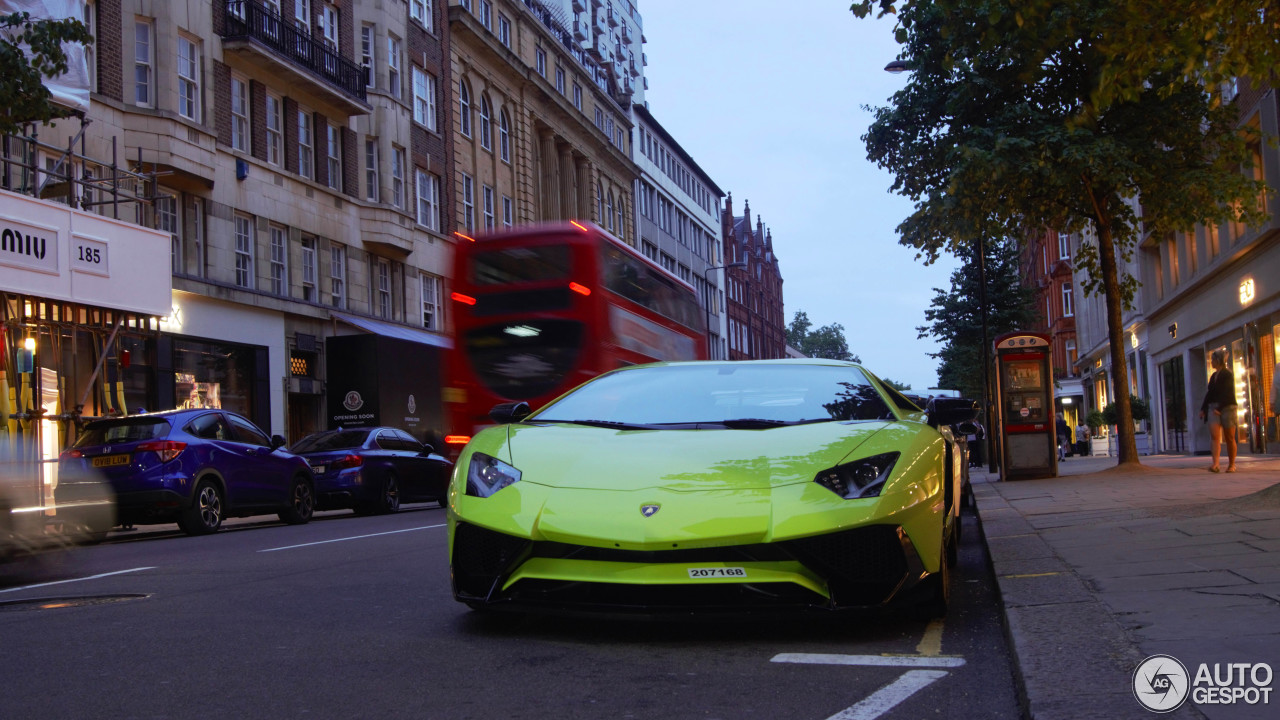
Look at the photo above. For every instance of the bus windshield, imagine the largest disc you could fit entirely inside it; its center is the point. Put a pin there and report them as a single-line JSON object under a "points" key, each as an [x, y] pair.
{"points": [[521, 264]]}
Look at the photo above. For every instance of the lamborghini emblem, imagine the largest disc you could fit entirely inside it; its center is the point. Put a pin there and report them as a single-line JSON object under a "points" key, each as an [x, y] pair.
{"points": [[649, 510]]}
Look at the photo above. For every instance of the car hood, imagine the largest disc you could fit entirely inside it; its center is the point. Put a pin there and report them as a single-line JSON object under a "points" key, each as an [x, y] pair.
{"points": [[573, 456]]}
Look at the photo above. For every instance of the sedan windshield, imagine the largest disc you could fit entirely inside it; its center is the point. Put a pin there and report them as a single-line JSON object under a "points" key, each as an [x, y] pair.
{"points": [[739, 396], [338, 440]]}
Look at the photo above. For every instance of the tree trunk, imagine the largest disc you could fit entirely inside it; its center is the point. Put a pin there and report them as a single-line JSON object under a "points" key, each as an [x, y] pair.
{"points": [[1126, 444]]}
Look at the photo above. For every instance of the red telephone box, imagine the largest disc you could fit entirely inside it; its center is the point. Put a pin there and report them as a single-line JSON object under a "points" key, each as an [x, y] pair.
{"points": [[1024, 400]]}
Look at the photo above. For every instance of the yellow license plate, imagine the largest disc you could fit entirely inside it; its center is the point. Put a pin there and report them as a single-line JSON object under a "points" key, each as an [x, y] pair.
{"points": [[110, 460]]}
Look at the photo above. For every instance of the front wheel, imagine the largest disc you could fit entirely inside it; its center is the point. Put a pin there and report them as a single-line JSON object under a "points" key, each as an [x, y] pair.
{"points": [[302, 503], [205, 514]]}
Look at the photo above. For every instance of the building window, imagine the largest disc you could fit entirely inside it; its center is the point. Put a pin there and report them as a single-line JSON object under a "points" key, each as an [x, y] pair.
{"points": [[306, 145], [577, 96], [508, 215], [486, 14], [468, 202], [621, 209], [244, 251], [540, 61], [384, 288], [338, 275], [488, 207], [424, 98], [1067, 308], [430, 302], [559, 79], [309, 269], [464, 108], [275, 129], [428, 200], [368, 47], [279, 267], [302, 15], [329, 26], [144, 61], [504, 30], [608, 211], [167, 220], [1064, 245], [188, 79], [90, 18], [504, 136], [397, 177], [486, 127], [393, 66], [599, 118], [335, 157], [371, 169], [420, 10]]}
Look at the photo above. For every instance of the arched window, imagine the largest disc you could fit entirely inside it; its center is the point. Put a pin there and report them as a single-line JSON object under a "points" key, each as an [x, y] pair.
{"points": [[599, 202], [608, 211], [504, 135], [464, 108], [486, 127], [622, 214]]}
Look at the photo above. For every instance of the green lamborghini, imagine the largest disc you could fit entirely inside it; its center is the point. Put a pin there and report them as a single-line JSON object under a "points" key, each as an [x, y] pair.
{"points": [[717, 486]]}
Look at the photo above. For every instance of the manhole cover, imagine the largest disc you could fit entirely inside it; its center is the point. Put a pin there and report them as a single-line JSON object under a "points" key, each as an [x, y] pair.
{"points": [[57, 603]]}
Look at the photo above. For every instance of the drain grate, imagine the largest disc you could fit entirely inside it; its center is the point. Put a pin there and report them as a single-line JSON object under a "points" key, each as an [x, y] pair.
{"points": [[58, 603]]}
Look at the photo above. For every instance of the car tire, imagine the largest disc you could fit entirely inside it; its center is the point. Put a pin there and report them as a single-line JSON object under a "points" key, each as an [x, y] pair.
{"points": [[937, 588], [302, 502], [204, 517], [388, 500]]}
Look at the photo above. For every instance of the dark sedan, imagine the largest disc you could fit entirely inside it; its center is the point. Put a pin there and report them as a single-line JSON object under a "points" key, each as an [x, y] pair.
{"points": [[193, 467], [372, 470]]}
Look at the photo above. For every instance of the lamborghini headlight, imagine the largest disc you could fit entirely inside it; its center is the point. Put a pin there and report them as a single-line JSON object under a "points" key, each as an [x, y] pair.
{"points": [[859, 479], [487, 475]]}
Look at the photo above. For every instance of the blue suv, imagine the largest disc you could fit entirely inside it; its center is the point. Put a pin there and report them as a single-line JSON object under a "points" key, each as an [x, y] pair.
{"points": [[194, 467]]}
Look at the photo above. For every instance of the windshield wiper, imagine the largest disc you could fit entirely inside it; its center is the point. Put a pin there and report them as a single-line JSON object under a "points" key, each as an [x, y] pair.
{"points": [[753, 423], [610, 424]]}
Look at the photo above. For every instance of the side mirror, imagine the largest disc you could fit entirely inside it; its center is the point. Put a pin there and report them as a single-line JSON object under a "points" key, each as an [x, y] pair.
{"points": [[505, 413], [951, 411], [427, 449], [277, 442]]}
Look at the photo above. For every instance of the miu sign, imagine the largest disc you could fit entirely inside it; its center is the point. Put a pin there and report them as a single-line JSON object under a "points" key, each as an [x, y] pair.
{"points": [[28, 246]]}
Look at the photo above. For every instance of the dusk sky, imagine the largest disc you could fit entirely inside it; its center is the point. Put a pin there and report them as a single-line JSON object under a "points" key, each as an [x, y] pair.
{"points": [[768, 99]]}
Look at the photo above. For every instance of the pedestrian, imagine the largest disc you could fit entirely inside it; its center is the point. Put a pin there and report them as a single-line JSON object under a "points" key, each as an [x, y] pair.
{"points": [[1219, 410], [1082, 439], [1064, 437]]}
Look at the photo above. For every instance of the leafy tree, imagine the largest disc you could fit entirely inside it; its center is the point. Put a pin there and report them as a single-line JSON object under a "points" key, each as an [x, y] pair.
{"points": [[1140, 45], [955, 316], [30, 51], [989, 138], [825, 342]]}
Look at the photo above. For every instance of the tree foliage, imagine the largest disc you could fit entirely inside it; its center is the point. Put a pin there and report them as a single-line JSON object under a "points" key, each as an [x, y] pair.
{"points": [[826, 342], [1000, 129], [900, 387], [30, 51], [955, 316], [1141, 45]]}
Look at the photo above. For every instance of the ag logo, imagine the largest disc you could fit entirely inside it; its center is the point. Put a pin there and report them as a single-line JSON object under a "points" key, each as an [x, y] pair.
{"points": [[353, 401], [413, 405], [1161, 683], [649, 510]]}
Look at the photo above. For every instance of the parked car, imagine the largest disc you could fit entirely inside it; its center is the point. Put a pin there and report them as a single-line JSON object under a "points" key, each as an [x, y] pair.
{"points": [[373, 470], [194, 467], [712, 486]]}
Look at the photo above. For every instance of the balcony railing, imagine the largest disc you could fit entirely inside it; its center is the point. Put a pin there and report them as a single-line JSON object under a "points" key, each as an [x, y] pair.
{"points": [[246, 20]]}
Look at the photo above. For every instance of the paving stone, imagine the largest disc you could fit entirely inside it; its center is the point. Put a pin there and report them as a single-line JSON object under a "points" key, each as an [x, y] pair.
{"points": [[1019, 590], [1019, 547], [1202, 579]]}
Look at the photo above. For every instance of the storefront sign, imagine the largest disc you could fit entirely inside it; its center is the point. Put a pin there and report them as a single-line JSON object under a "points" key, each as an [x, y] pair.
{"points": [[53, 251]]}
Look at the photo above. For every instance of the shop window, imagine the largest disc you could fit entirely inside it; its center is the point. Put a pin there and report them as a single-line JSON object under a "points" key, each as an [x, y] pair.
{"points": [[216, 375]]}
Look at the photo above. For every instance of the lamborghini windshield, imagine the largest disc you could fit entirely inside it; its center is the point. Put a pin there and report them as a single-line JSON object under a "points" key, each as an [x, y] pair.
{"points": [[724, 394]]}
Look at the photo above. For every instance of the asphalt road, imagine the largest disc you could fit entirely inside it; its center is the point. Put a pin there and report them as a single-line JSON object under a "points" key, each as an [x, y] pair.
{"points": [[352, 617]]}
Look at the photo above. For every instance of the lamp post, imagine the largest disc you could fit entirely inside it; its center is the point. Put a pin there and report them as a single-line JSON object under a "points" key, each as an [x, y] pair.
{"points": [[706, 301]]}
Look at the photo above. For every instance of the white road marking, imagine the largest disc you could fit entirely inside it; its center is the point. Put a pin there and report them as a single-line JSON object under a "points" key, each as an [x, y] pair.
{"points": [[354, 537], [888, 697], [91, 577], [870, 660]]}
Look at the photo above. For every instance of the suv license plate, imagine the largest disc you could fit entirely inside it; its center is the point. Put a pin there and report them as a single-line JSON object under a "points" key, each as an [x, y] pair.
{"points": [[110, 460]]}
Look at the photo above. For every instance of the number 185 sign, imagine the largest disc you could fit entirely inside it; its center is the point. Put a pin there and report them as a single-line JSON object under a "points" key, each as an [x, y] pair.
{"points": [[89, 255]]}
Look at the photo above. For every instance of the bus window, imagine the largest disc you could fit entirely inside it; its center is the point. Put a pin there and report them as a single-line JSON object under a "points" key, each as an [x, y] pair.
{"points": [[522, 264]]}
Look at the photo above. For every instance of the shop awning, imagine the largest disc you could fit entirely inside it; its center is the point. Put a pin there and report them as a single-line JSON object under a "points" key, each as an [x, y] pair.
{"points": [[378, 327]]}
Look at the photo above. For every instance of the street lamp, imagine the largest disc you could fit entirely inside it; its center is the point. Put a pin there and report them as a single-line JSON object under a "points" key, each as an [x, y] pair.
{"points": [[706, 301]]}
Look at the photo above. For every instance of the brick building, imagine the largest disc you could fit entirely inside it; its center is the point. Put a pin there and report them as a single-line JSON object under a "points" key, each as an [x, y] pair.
{"points": [[754, 289]]}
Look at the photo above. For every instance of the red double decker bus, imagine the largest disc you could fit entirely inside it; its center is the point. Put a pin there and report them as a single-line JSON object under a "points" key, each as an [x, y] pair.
{"points": [[541, 308]]}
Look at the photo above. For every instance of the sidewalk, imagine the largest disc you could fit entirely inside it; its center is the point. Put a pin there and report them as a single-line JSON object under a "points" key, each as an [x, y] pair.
{"points": [[1099, 569]]}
